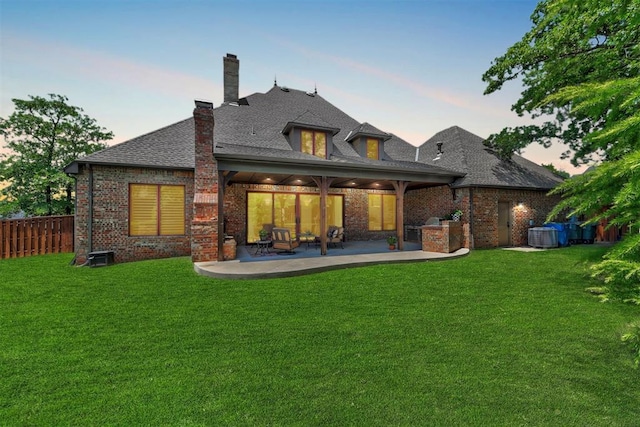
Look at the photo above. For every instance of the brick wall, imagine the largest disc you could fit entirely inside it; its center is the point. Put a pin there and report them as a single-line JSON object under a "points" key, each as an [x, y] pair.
{"points": [[442, 200], [111, 214], [535, 206], [422, 204], [205, 237]]}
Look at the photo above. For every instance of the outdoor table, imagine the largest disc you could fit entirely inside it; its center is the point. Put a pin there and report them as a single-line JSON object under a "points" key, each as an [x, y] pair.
{"points": [[308, 238], [262, 247]]}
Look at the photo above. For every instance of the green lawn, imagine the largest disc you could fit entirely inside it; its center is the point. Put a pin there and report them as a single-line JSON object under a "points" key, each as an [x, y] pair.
{"points": [[494, 338]]}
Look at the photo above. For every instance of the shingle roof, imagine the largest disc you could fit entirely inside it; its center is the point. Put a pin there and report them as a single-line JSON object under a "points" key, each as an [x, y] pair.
{"points": [[254, 127], [365, 129], [465, 152], [309, 119], [169, 147], [254, 123]]}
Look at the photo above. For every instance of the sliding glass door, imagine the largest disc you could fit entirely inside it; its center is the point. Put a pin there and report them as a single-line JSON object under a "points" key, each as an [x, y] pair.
{"points": [[299, 213], [284, 212]]}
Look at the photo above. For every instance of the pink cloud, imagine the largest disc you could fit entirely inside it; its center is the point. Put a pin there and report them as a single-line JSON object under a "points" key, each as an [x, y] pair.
{"points": [[100, 66], [477, 104]]}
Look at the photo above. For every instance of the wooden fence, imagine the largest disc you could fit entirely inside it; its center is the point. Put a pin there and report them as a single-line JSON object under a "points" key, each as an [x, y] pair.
{"points": [[34, 236]]}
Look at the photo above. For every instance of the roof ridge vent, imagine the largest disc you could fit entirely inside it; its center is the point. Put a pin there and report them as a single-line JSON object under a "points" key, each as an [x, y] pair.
{"points": [[284, 88]]}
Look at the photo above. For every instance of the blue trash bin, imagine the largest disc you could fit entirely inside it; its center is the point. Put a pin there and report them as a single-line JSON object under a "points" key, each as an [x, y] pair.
{"points": [[563, 236], [588, 233], [575, 232]]}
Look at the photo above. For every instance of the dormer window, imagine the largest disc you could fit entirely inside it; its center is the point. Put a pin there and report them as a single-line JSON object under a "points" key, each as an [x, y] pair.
{"points": [[368, 141], [373, 149], [310, 134], [314, 142]]}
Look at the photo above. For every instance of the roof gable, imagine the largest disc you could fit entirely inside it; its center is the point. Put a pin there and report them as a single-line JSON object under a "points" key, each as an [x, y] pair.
{"points": [[367, 130], [308, 119]]}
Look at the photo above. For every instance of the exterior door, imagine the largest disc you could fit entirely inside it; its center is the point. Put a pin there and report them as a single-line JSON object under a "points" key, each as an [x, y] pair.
{"points": [[504, 223], [284, 212], [300, 213]]}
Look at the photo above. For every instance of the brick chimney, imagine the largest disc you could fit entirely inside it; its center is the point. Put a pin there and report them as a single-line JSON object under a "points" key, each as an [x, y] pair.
{"points": [[204, 225], [231, 77]]}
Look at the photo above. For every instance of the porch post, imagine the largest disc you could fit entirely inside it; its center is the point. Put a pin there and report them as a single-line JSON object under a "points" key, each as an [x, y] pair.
{"points": [[323, 184], [400, 187], [221, 187]]}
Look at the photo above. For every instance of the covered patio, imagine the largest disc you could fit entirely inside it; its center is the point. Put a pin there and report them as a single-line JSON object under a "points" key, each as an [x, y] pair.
{"points": [[299, 176], [252, 265], [240, 189]]}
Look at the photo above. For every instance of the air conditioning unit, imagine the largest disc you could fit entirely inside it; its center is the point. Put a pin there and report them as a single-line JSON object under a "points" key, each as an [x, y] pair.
{"points": [[100, 258], [543, 237]]}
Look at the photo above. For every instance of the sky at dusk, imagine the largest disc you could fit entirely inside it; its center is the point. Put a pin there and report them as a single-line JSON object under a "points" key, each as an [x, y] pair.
{"points": [[409, 67]]}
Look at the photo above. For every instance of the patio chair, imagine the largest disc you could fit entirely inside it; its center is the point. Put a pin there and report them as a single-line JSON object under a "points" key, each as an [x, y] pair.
{"points": [[281, 239], [335, 235]]}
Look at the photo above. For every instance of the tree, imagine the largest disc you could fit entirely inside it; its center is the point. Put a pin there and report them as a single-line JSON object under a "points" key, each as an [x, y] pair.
{"points": [[44, 135], [580, 65], [572, 42], [558, 172]]}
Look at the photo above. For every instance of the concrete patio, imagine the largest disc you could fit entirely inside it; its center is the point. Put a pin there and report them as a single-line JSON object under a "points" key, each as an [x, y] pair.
{"points": [[251, 264]]}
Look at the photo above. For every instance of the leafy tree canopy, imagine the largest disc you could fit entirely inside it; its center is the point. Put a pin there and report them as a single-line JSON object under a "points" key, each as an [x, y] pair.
{"points": [[571, 43], [44, 135], [559, 172]]}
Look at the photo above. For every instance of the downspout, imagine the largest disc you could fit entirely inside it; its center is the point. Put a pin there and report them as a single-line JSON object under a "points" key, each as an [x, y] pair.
{"points": [[471, 243], [75, 216], [90, 213]]}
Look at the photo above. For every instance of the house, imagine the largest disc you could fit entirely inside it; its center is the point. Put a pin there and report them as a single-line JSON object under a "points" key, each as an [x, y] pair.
{"points": [[290, 158]]}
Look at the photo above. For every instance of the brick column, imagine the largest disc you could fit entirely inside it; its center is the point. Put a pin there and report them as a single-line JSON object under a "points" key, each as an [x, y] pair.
{"points": [[204, 225]]}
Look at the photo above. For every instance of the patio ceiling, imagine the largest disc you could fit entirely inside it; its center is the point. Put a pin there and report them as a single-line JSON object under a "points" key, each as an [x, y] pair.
{"points": [[307, 181], [299, 172]]}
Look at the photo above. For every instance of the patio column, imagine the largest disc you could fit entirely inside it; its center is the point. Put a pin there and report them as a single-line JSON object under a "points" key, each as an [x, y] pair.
{"points": [[400, 187], [220, 225], [323, 184]]}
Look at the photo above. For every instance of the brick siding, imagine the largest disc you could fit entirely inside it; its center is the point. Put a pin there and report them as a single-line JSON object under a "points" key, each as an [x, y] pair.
{"points": [[444, 238], [204, 223], [442, 200], [111, 214]]}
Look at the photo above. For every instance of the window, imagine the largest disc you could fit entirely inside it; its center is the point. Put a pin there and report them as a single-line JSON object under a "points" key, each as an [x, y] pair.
{"points": [[372, 149], [297, 212], [156, 210], [382, 212], [313, 142]]}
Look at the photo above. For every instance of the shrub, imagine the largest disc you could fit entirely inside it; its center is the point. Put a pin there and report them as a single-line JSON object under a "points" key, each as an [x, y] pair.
{"points": [[632, 339]]}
